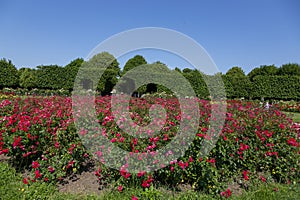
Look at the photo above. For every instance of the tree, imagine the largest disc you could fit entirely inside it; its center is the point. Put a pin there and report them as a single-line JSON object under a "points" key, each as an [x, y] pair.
{"points": [[269, 70], [186, 70], [28, 78], [9, 76], [291, 69], [240, 83], [277, 87], [263, 70], [50, 77], [71, 71], [107, 81], [103, 64], [177, 69], [134, 62], [254, 72], [236, 72], [196, 79], [103, 60], [75, 63]]}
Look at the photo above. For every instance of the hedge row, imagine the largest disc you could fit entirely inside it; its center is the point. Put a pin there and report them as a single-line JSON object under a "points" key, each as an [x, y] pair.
{"points": [[268, 87], [54, 78], [277, 87]]}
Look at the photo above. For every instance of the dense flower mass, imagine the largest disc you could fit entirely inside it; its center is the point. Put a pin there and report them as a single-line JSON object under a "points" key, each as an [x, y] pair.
{"points": [[39, 133], [226, 193], [35, 164]]}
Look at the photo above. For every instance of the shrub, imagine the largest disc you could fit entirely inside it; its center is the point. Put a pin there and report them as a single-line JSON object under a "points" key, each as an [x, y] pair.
{"points": [[254, 144]]}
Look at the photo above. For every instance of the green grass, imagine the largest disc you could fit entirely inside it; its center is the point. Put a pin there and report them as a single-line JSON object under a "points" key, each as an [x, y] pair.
{"points": [[11, 187], [294, 116]]}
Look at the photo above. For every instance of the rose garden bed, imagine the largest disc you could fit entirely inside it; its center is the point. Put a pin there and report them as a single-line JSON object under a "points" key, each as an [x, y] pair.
{"points": [[256, 146]]}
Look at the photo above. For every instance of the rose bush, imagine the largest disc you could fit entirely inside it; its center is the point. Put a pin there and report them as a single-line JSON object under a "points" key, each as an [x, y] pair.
{"points": [[255, 144], [41, 130]]}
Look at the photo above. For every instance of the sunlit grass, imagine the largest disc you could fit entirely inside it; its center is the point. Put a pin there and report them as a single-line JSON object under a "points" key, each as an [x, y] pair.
{"points": [[294, 116], [11, 187]]}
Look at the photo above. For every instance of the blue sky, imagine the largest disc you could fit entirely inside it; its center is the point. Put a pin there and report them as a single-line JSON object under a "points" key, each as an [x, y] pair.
{"points": [[234, 32]]}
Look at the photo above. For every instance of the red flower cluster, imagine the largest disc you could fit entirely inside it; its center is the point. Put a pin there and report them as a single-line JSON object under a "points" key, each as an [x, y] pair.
{"points": [[226, 193], [147, 183], [246, 177], [37, 174], [120, 188], [35, 164], [249, 133], [124, 173], [293, 142], [263, 179]]}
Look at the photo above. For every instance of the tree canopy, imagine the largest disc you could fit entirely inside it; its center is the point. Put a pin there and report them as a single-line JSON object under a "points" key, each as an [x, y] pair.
{"points": [[9, 76], [134, 62], [263, 70], [264, 81], [290, 69], [236, 72]]}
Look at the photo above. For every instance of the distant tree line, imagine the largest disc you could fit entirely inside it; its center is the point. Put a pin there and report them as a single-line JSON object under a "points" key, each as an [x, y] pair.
{"points": [[266, 81]]}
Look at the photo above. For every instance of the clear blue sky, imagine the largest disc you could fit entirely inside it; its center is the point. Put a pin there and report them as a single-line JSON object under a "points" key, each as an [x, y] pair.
{"points": [[245, 33]]}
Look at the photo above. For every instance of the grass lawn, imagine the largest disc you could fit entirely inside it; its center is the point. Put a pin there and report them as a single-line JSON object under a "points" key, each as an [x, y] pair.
{"points": [[11, 187], [294, 116]]}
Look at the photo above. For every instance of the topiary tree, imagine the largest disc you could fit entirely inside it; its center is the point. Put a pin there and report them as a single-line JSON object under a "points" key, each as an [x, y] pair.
{"points": [[236, 72], [291, 69], [103, 64], [9, 76], [263, 70], [134, 62], [28, 78], [50, 77], [197, 82], [71, 71], [240, 83]]}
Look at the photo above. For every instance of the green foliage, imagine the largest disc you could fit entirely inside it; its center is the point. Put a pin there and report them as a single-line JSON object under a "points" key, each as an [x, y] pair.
{"points": [[134, 62], [71, 71], [264, 70], [103, 64], [28, 78], [271, 191], [177, 69], [50, 77], [158, 76], [229, 89], [277, 87], [8, 180], [215, 86], [11, 186], [197, 81], [49, 140], [254, 141], [290, 106], [187, 70], [39, 133], [107, 81], [265, 81], [238, 83], [291, 69], [9, 76], [240, 86], [244, 146], [235, 72]]}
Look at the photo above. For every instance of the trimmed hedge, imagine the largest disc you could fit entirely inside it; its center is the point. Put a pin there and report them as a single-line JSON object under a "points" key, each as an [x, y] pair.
{"points": [[9, 76], [51, 78], [277, 87]]}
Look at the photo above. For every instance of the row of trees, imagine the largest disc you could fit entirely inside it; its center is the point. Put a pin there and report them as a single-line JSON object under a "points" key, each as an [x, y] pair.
{"points": [[266, 81], [237, 84]]}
